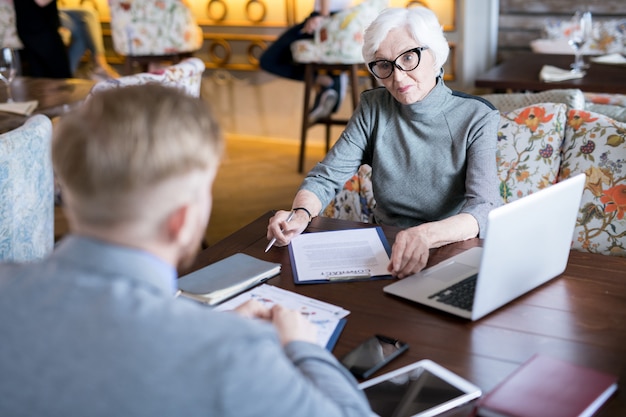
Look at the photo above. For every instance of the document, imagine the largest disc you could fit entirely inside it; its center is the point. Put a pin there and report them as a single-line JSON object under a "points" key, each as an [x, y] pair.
{"points": [[329, 318], [342, 255]]}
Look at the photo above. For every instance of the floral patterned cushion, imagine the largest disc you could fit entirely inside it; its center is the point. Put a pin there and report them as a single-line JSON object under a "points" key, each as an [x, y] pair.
{"points": [[596, 145], [528, 153], [26, 190], [153, 27], [8, 32], [356, 200], [340, 38], [186, 75]]}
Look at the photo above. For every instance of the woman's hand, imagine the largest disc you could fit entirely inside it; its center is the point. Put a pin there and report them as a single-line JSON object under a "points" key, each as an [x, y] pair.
{"points": [[409, 253], [410, 250], [284, 231]]}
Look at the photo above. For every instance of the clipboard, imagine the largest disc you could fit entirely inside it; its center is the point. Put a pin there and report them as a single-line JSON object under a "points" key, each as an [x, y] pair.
{"points": [[330, 318], [340, 245]]}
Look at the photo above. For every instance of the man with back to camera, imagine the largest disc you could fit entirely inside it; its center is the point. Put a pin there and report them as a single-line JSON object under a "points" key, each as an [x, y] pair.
{"points": [[95, 329]]}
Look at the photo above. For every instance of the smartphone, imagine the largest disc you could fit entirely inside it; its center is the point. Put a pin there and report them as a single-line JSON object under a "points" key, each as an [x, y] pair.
{"points": [[373, 354]]}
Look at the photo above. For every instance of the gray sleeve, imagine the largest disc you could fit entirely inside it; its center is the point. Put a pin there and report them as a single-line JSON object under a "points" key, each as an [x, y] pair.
{"points": [[328, 177], [302, 380], [482, 194]]}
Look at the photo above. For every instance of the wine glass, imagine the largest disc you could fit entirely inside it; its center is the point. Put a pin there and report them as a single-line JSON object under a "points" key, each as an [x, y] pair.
{"points": [[8, 69], [581, 33]]}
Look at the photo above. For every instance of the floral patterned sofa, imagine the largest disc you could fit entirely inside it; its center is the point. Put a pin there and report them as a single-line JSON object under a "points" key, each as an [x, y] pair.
{"points": [[544, 138]]}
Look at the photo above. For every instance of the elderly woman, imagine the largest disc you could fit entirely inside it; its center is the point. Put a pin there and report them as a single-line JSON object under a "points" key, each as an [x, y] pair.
{"points": [[432, 150]]}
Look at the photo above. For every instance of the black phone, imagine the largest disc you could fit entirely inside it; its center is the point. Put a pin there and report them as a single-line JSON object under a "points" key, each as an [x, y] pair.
{"points": [[373, 354]]}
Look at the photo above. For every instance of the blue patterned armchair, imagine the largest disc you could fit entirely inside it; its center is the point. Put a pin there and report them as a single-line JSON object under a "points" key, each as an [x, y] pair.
{"points": [[26, 189]]}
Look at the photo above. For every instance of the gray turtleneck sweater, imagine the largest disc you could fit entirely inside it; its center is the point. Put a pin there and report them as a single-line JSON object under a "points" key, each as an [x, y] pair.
{"points": [[430, 160]]}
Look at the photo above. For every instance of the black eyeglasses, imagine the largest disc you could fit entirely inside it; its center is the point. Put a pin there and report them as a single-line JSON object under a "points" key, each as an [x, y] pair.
{"points": [[406, 61]]}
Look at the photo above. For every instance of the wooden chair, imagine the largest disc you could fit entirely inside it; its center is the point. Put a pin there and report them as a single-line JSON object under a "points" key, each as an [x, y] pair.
{"points": [[336, 47], [309, 85]]}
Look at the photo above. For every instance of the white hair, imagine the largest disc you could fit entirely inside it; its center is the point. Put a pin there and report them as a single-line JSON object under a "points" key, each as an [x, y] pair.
{"points": [[421, 23]]}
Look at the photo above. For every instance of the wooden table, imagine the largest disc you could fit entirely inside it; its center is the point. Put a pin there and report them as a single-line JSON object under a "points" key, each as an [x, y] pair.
{"points": [[579, 317], [521, 72], [55, 97]]}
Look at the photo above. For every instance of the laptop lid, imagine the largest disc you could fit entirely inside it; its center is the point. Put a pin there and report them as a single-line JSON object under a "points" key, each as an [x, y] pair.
{"points": [[527, 243]]}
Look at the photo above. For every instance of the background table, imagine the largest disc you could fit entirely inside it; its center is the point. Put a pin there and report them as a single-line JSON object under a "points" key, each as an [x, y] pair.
{"points": [[55, 97], [579, 317], [521, 72]]}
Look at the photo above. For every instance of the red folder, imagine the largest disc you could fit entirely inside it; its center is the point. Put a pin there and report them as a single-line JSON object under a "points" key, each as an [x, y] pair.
{"points": [[545, 386]]}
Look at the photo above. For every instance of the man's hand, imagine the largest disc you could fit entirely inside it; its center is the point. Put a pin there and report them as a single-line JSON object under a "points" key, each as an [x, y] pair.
{"points": [[292, 326], [252, 309]]}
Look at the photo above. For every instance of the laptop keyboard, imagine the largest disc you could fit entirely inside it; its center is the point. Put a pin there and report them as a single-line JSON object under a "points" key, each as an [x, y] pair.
{"points": [[459, 295]]}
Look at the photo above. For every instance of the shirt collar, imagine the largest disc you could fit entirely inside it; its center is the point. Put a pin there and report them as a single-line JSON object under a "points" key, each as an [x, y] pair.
{"points": [[132, 263]]}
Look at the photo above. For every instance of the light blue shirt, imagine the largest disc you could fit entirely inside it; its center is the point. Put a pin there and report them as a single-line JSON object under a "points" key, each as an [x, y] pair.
{"points": [[94, 330]]}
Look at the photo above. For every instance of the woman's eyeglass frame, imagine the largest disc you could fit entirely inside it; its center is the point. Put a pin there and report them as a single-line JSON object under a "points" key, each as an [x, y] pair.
{"points": [[393, 63]]}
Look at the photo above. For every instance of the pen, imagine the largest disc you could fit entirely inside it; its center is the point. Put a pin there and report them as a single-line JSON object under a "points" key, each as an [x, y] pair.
{"points": [[269, 245]]}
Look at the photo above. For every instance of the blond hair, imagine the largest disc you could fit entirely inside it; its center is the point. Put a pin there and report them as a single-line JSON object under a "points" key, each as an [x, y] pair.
{"points": [[118, 155]]}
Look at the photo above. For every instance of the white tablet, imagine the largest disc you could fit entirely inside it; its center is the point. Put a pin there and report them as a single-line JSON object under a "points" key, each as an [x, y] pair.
{"points": [[422, 389]]}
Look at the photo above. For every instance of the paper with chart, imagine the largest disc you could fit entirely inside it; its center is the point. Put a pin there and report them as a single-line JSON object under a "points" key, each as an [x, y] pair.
{"points": [[327, 317], [342, 255]]}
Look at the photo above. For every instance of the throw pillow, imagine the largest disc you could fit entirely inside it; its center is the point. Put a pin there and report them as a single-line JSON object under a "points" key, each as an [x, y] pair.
{"points": [[356, 200], [596, 145], [528, 153]]}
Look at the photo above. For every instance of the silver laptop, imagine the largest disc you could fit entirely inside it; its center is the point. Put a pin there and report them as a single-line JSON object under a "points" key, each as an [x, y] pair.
{"points": [[526, 244]]}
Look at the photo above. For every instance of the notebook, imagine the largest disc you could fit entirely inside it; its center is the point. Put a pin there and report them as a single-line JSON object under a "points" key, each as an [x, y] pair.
{"points": [[226, 278], [547, 386], [526, 244]]}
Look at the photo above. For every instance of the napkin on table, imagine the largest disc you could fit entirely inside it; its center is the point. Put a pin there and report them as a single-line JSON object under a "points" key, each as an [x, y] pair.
{"points": [[24, 108], [614, 59], [549, 73]]}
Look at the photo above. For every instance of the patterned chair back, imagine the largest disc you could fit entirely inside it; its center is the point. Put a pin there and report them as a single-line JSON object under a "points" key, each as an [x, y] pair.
{"points": [[26, 192], [153, 27], [340, 38], [186, 75], [8, 31]]}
